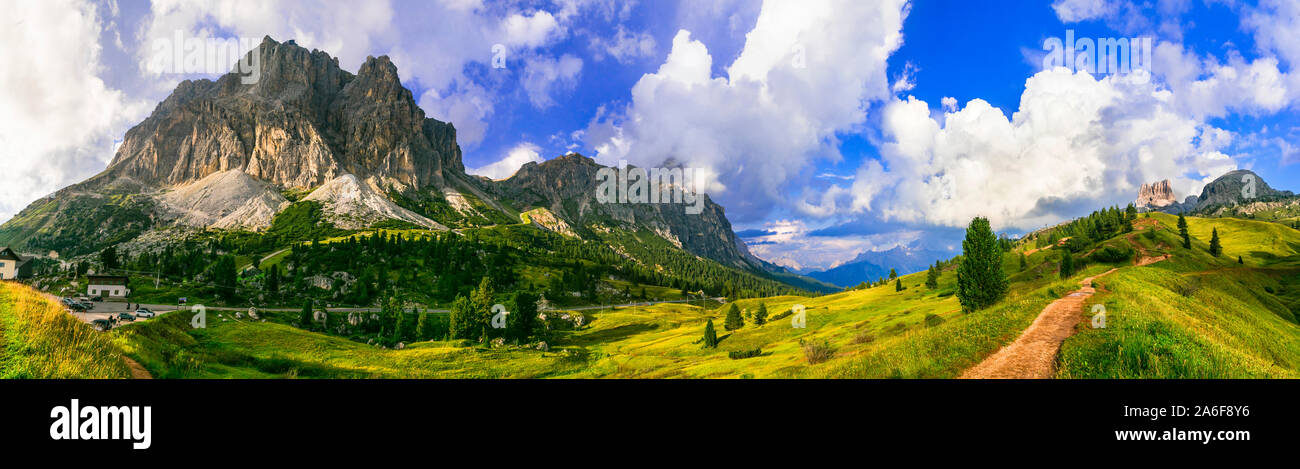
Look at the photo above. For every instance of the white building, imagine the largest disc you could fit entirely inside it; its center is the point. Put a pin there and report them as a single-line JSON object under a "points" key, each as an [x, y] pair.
{"points": [[107, 286], [11, 265]]}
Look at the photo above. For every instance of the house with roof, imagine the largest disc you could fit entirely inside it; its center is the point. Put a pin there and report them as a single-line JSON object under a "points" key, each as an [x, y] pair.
{"points": [[107, 286], [13, 266]]}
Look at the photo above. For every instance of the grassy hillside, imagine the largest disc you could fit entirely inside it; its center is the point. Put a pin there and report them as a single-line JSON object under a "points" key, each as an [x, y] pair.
{"points": [[877, 332], [1190, 316], [40, 340], [1197, 316]]}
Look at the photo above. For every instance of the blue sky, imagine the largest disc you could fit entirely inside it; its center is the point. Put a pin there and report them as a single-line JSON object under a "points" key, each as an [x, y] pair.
{"points": [[828, 128]]}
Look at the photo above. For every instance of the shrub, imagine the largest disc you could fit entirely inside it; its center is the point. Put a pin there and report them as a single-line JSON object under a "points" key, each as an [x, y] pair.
{"points": [[816, 352], [781, 316], [862, 338], [1188, 287], [743, 354], [932, 320], [1112, 254]]}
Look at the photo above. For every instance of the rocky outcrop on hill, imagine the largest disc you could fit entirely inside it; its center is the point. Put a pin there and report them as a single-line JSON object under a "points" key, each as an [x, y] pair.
{"points": [[1156, 195]]}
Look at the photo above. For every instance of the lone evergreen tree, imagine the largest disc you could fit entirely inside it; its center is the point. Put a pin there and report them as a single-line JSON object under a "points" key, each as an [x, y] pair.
{"points": [[1239, 261], [980, 280], [898, 285], [1182, 231], [1067, 265], [1215, 247], [760, 316], [892, 274], [1024, 263], [423, 327], [710, 335], [305, 317], [932, 277], [733, 321]]}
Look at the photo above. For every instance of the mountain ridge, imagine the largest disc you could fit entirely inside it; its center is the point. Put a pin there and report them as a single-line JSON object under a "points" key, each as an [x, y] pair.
{"points": [[221, 154]]}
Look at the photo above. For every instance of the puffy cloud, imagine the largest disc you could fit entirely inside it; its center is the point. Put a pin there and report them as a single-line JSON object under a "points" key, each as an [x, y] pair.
{"points": [[312, 24], [807, 71], [949, 104], [1076, 142], [624, 46], [543, 75], [58, 117], [1205, 87], [514, 159], [530, 30], [1073, 11]]}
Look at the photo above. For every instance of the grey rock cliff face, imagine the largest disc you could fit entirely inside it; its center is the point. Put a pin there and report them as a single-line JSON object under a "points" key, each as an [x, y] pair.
{"points": [[304, 122]]}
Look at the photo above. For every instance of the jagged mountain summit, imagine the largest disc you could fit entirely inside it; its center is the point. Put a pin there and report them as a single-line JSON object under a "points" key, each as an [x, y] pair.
{"points": [[1156, 195], [233, 156]]}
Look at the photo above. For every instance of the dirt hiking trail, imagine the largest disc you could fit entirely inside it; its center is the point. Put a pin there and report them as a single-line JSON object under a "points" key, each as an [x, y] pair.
{"points": [[137, 371], [1033, 354]]}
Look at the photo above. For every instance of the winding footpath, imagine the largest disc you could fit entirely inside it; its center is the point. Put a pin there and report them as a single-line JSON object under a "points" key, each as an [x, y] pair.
{"points": [[1033, 354]]}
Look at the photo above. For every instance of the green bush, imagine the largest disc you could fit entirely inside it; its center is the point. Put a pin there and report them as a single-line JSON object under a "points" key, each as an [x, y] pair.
{"points": [[1113, 254], [742, 354]]}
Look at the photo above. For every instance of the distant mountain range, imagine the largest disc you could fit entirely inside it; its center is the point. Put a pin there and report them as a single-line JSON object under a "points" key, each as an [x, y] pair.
{"points": [[872, 265]]}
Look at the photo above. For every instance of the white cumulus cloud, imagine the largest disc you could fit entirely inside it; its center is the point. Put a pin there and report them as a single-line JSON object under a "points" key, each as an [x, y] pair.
{"points": [[58, 118], [807, 71], [514, 159]]}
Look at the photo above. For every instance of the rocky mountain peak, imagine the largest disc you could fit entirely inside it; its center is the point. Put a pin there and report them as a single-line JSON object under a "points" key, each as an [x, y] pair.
{"points": [[304, 122], [1156, 195]]}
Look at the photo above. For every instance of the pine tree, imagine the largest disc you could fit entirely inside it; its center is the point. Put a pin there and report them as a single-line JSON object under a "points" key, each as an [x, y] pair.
{"points": [[1215, 247], [481, 302], [932, 277], [1239, 261], [760, 316], [892, 274], [523, 314], [1182, 231], [399, 327], [305, 318], [898, 285], [461, 322], [733, 321], [1067, 265], [423, 327], [710, 335], [980, 280], [1024, 262]]}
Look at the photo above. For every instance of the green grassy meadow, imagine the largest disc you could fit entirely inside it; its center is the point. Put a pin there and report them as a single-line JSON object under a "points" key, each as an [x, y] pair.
{"points": [[1190, 316]]}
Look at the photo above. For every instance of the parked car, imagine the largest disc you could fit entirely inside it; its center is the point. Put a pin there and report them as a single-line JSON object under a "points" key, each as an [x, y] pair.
{"points": [[125, 316], [144, 313], [76, 307], [97, 298], [101, 324]]}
